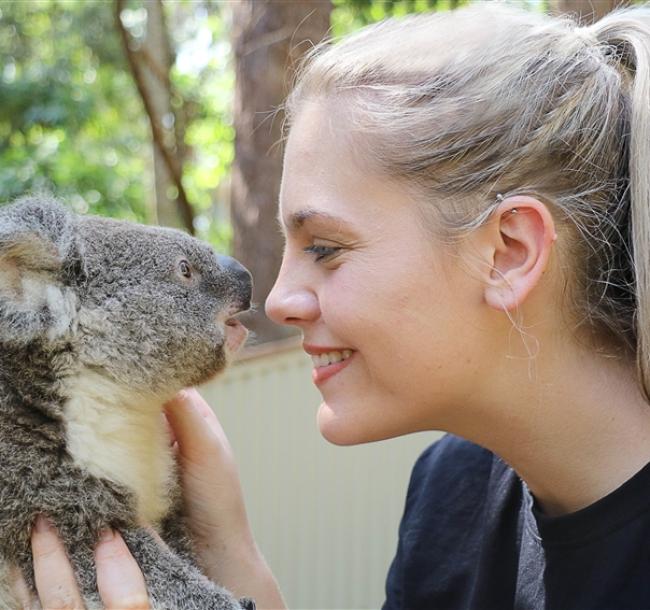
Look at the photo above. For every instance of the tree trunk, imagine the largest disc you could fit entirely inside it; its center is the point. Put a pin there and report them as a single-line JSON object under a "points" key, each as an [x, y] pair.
{"points": [[156, 45], [269, 37], [587, 11], [150, 65]]}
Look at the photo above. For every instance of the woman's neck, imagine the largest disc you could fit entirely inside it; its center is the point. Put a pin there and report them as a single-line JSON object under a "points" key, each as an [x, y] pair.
{"points": [[574, 430]]}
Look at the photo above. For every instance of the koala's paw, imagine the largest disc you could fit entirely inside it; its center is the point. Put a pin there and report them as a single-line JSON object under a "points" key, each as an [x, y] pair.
{"points": [[205, 598], [173, 582]]}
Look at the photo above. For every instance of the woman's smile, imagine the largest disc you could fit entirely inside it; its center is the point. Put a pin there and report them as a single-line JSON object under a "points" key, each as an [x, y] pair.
{"points": [[327, 361]]}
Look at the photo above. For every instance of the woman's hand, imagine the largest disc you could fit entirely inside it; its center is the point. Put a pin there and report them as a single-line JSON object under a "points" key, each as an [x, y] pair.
{"points": [[214, 502], [119, 579], [212, 492]]}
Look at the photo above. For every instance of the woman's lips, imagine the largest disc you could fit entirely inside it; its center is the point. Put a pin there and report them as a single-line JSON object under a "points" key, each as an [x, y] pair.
{"points": [[321, 373]]}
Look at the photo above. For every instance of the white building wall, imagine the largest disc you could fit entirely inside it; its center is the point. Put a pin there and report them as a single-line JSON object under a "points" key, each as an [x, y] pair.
{"points": [[325, 517]]}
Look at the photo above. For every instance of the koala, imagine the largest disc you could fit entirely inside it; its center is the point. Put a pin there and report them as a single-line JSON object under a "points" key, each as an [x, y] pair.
{"points": [[101, 322]]}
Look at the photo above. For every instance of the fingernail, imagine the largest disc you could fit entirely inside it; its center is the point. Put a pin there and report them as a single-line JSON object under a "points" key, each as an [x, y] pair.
{"points": [[43, 524], [106, 535]]}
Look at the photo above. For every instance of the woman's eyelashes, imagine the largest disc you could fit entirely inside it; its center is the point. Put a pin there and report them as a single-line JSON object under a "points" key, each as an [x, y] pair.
{"points": [[322, 253]]}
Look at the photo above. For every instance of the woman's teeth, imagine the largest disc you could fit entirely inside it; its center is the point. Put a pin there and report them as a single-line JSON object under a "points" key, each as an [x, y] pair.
{"points": [[331, 358]]}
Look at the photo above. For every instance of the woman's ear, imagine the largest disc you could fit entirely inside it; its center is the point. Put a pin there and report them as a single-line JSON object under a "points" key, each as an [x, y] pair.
{"points": [[517, 245]]}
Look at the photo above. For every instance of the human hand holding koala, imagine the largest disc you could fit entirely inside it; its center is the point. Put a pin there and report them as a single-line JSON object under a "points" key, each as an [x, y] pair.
{"points": [[101, 322]]}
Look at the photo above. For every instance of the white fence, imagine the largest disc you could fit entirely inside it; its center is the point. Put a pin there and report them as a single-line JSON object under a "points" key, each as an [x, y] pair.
{"points": [[325, 517]]}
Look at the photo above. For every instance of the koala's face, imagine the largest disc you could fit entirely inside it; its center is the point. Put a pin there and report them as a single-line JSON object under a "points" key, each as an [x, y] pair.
{"points": [[156, 305], [148, 307]]}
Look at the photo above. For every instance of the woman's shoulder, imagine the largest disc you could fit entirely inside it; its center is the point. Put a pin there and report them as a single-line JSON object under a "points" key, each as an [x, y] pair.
{"points": [[451, 475], [452, 456], [451, 494]]}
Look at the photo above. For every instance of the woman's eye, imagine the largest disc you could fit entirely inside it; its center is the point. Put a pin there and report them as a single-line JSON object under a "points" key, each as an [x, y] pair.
{"points": [[185, 269], [321, 252]]}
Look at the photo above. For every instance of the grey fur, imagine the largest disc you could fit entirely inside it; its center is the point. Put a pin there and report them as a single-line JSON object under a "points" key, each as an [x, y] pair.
{"points": [[87, 301]]}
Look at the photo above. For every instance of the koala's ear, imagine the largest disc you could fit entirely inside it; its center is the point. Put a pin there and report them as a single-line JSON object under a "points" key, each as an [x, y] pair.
{"points": [[35, 235], [37, 251]]}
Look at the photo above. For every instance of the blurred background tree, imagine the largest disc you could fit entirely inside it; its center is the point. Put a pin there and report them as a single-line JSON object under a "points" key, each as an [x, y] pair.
{"points": [[73, 122], [170, 111], [69, 117], [269, 39], [151, 56]]}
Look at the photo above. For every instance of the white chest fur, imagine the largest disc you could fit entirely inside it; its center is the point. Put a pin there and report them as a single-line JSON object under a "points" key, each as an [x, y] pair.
{"points": [[121, 437]]}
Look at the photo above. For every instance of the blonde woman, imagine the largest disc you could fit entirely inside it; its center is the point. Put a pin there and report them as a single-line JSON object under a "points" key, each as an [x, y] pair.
{"points": [[466, 206]]}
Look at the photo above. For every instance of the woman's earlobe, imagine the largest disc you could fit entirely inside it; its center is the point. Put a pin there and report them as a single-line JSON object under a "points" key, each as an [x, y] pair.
{"points": [[506, 296]]}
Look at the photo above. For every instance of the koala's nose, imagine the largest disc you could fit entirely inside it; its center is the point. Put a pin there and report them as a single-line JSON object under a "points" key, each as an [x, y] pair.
{"points": [[241, 275], [236, 269]]}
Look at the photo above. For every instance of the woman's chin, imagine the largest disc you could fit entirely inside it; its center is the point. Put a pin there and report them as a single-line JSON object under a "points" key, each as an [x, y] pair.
{"points": [[344, 430]]}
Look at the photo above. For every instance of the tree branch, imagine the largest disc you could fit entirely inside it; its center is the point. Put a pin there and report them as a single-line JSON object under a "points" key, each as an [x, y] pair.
{"points": [[172, 164]]}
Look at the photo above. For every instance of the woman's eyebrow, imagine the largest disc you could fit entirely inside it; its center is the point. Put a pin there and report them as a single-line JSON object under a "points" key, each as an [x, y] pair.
{"points": [[298, 219]]}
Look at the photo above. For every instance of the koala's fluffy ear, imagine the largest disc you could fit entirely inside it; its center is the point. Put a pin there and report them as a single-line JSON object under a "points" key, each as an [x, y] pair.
{"points": [[36, 245], [35, 234]]}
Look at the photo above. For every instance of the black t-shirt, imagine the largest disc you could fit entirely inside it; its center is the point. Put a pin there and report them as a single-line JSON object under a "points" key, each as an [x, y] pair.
{"points": [[472, 537]]}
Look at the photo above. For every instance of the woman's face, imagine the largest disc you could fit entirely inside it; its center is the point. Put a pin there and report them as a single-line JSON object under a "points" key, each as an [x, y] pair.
{"points": [[362, 278]]}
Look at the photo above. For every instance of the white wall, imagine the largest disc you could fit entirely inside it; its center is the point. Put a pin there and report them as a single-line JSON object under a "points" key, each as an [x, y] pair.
{"points": [[325, 517]]}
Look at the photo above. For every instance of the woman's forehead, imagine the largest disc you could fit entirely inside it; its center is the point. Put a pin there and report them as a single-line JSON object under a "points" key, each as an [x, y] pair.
{"points": [[313, 137], [327, 184], [325, 137]]}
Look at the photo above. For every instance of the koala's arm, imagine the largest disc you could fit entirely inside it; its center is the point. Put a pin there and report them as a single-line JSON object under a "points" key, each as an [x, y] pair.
{"points": [[172, 578], [173, 582], [80, 506]]}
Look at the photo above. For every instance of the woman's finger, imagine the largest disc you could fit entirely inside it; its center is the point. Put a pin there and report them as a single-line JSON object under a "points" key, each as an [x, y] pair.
{"points": [[194, 424], [55, 581], [119, 578]]}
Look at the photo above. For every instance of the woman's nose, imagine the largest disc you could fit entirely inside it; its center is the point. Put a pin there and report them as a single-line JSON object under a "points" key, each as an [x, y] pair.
{"points": [[293, 305]]}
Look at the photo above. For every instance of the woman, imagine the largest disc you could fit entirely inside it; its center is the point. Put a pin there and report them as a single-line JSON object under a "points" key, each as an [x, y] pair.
{"points": [[467, 221]]}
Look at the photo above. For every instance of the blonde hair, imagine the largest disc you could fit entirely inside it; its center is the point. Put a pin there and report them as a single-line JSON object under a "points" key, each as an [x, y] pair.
{"points": [[492, 101]]}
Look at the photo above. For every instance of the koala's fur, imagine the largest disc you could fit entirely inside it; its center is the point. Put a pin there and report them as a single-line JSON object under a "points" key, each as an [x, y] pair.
{"points": [[99, 326]]}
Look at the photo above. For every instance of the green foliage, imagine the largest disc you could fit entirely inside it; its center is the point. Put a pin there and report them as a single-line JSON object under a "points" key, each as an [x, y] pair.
{"points": [[203, 77], [72, 122], [70, 119], [350, 15]]}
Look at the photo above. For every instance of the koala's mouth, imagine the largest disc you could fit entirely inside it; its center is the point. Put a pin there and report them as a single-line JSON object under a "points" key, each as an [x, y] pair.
{"points": [[236, 334], [233, 317], [232, 313]]}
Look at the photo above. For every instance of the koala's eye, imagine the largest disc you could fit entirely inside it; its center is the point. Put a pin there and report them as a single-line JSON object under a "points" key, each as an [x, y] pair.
{"points": [[185, 269]]}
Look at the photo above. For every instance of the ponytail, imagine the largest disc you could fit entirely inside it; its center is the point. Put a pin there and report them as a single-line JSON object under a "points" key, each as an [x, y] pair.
{"points": [[625, 36]]}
